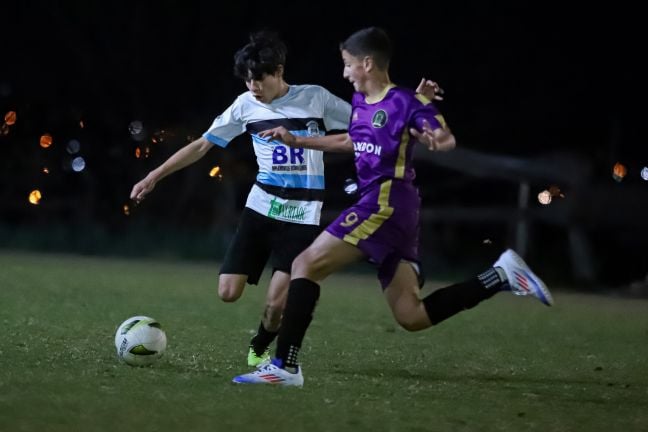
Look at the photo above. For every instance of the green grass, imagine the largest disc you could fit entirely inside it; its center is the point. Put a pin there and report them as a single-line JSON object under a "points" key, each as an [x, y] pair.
{"points": [[511, 364]]}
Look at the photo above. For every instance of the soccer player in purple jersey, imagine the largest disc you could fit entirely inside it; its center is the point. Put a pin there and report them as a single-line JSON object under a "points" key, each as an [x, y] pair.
{"points": [[383, 225]]}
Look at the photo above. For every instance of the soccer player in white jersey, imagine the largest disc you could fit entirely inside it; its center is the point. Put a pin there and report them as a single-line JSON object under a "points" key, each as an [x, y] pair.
{"points": [[282, 213]]}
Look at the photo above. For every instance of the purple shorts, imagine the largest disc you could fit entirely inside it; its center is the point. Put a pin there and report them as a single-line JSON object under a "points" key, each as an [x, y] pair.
{"points": [[384, 224]]}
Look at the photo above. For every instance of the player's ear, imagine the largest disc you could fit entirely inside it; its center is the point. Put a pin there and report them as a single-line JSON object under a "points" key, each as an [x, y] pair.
{"points": [[280, 71], [368, 63]]}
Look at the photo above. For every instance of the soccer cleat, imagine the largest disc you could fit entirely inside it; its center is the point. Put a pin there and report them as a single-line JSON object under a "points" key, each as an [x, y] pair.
{"points": [[521, 280], [271, 373], [255, 360]]}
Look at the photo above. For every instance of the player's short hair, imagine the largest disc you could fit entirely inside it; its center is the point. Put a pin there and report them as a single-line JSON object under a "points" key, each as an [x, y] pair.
{"points": [[262, 55], [371, 41]]}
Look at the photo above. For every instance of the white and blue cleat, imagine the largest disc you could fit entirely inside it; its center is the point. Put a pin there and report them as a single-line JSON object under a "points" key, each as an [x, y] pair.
{"points": [[521, 280], [271, 373]]}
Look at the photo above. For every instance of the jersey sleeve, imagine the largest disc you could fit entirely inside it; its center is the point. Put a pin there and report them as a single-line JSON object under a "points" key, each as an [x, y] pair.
{"points": [[337, 112], [226, 126], [424, 109]]}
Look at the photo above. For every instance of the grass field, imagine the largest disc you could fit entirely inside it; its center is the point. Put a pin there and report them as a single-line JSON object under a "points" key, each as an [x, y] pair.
{"points": [[511, 364]]}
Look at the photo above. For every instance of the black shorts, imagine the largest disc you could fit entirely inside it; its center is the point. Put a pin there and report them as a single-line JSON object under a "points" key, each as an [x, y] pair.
{"points": [[259, 238]]}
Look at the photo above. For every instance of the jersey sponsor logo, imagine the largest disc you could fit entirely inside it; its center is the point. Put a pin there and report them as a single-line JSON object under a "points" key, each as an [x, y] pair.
{"points": [[379, 119], [288, 159], [365, 147], [285, 211]]}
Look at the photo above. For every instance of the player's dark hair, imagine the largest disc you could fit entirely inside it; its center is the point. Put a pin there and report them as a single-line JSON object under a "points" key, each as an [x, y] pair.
{"points": [[262, 55], [371, 41]]}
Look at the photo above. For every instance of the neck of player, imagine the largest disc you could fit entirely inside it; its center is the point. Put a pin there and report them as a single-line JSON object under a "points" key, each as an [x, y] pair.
{"points": [[376, 87]]}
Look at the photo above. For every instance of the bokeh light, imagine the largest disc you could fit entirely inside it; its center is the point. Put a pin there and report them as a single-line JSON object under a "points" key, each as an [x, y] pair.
{"points": [[10, 118], [126, 209], [619, 171], [45, 170], [46, 140], [35, 197], [544, 197], [136, 129], [644, 173], [214, 171], [73, 146], [78, 164]]}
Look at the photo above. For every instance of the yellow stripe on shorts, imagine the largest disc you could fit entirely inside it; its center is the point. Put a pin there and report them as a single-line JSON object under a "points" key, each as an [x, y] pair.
{"points": [[373, 222]]}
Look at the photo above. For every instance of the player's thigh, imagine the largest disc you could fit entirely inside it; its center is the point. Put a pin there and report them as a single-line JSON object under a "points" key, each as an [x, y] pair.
{"points": [[324, 256], [250, 247]]}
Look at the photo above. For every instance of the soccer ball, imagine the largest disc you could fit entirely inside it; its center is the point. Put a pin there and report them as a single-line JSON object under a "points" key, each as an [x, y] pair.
{"points": [[140, 341]]}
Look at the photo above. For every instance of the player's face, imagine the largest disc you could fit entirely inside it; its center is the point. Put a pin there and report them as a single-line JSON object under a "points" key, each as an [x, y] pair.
{"points": [[267, 88], [354, 70]]}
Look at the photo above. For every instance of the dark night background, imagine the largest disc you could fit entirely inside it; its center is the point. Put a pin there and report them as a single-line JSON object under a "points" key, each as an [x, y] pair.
{"points": [[533, 81]]}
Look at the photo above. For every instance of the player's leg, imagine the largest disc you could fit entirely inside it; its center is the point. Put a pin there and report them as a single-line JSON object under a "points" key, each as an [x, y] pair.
{"points": [[246, 256], [413, 313], [509, 272], [244, 262], [231, 286], [288, 240], [326, 255], [259, 351], [402, 295], [323, 257]]}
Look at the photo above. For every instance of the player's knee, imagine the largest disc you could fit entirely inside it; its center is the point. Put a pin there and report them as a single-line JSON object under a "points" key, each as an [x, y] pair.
{"points": [[411, 323], [307, 264], [229, 292], [300, 264]]}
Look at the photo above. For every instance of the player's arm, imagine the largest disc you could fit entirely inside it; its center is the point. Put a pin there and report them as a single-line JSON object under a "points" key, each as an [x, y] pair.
{"points": [[338, 143], [180, 159], [437, 139]]}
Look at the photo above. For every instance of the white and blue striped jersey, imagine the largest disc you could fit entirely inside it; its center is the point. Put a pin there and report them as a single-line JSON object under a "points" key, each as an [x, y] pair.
{"points": [[290, 182]]}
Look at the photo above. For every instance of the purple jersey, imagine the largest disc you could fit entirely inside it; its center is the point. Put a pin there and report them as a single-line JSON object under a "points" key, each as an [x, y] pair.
{"points": [[384, 223], [380, 133]]}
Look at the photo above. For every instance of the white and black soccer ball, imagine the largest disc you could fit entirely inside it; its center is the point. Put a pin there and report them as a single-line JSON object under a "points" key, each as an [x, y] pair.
{"points": [[140, 341]]}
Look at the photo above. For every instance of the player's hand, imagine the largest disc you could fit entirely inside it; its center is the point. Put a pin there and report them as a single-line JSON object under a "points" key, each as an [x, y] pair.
{"points": [[434, 139], [279, 133], [141, 189], [430, 89]]}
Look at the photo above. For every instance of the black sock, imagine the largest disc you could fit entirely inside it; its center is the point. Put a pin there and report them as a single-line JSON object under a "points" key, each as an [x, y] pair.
{"points": [[297, 316], [262, 340], [449, 301]]}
